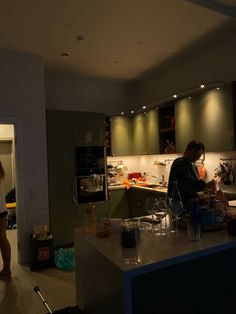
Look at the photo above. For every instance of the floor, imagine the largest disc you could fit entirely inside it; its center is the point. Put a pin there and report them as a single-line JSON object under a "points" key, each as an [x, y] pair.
{"points": [[17, 296]]}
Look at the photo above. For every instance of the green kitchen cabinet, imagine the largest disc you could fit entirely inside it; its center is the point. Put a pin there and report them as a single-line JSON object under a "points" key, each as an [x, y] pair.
{"points": [[60, 175], [137, 198], [65, 130], [136, 135], [152, 137], [88, 128], [146, 133], [121, 136], [118, 203], [207, 117]]}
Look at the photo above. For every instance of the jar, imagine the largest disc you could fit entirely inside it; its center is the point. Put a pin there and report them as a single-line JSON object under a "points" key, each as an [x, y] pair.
{"points": [[129, 233]]}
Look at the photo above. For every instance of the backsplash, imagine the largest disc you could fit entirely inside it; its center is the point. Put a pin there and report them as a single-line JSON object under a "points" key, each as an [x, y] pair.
{"points": [[145, 164]]}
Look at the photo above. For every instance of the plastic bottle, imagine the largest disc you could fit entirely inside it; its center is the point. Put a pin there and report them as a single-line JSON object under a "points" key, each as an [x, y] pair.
{"points": [[195, 220], [90, 218]]}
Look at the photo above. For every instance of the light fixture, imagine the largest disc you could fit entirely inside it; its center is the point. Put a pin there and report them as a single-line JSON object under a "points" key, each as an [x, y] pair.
{"points": [[175, 96], [122, 113], [202, 85], [157, 108], [190, 97], [217, 88], [144, 107], [132, 111]]}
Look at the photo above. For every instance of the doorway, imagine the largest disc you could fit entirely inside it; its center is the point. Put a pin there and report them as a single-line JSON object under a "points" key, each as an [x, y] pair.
{"points": [[7, 157]]}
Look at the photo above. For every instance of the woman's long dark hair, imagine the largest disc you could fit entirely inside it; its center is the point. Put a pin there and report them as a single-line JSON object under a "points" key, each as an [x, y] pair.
{"points": [[195, 146]]}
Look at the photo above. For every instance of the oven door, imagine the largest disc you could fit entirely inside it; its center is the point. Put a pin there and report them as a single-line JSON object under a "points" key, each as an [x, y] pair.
{"points": [[91, 188]]}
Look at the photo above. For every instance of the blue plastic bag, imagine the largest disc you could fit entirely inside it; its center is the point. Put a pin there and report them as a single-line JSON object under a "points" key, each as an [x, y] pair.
{"points": [[65, 259]]}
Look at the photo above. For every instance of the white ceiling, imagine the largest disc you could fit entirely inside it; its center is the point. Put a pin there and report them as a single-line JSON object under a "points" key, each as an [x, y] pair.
{"points": [[123, 39]]}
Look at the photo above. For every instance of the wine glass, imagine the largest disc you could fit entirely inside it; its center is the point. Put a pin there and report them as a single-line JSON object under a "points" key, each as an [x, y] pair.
{"points": [[150, 207], [177, 209], [161, 213]]}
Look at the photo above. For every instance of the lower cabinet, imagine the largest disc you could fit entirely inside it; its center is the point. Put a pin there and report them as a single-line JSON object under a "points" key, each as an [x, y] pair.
{"points": [[137, 198], [130, 203], [118, 203]]}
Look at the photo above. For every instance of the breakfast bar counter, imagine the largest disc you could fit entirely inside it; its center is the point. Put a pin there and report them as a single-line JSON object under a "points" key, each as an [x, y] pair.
{"points": [[159, 274]]}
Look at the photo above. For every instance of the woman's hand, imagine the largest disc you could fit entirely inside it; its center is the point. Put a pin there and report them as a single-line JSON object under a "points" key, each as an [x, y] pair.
{"points": [[211, 186]]}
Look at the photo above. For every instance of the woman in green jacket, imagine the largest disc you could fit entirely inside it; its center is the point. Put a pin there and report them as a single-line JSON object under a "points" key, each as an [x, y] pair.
{"points": [[184, 171]]}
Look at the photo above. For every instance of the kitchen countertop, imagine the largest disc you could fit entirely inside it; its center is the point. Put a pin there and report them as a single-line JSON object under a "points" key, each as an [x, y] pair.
{"points": [[131, 280], [168, 251], [122, 186]]}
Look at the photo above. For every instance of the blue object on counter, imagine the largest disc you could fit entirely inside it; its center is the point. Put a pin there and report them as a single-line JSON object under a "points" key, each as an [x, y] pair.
{"points": [[208, 217]]}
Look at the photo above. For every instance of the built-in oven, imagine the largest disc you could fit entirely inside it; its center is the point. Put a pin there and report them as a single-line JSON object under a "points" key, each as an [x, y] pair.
{"points": [[91, 176]]}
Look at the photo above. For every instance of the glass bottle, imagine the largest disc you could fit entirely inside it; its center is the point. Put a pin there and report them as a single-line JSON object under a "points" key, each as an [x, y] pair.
{"points": [[90, 218], [176, 205], [195, 220]]}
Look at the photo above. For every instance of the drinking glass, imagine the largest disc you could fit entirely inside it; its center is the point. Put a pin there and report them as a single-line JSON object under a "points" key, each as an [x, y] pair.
{"points": [[151, 208], [161, 213]]}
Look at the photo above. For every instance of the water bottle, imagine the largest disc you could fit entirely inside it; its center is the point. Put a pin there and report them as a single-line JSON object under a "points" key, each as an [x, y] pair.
{"points": [[90, 218], [195, 220]]}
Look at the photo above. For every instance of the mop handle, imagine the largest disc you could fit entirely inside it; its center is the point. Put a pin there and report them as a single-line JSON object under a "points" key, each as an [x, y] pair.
{"points": [[37, 290]]}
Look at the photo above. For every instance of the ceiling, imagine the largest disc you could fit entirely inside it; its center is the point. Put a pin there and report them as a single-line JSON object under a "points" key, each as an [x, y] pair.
{"points": [[114, 39]]}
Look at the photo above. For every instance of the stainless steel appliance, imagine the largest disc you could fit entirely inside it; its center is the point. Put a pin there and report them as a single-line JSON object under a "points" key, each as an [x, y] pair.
{"points": [[91, 176]]}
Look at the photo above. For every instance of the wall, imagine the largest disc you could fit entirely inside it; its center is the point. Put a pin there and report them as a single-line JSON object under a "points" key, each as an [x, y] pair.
{"points": [[23, 104], [154, 172], [66, 91], [212, 60], [6, 131]]}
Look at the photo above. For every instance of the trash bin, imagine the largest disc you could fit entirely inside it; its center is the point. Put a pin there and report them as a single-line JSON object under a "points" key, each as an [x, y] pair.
{"points": [[41, 253]]}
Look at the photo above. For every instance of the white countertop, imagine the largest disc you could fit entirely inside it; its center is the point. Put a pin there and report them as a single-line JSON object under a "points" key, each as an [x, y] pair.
{"points": [[152, 252], [121, 186]]}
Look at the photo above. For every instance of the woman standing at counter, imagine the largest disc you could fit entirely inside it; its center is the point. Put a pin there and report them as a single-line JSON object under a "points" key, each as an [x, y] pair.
{"points": [[184, 171]]}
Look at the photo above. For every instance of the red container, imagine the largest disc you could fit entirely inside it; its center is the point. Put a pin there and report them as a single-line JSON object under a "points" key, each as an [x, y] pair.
{"points": [[135, 175]]}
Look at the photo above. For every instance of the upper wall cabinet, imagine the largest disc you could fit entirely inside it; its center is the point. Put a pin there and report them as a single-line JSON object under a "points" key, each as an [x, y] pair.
{"points": [[88, 128], [209, 118], [137, 135], [146, 133], [121, 136]]}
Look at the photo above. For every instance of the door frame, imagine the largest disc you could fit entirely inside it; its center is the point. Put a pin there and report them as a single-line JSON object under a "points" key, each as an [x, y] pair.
{"points": [[20, 212]]}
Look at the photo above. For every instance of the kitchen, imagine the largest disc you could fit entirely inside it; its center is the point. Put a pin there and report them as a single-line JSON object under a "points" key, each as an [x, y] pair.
{"points": [[26, 94]]}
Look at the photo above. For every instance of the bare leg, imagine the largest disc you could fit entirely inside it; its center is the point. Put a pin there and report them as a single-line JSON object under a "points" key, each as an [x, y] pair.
{"points": [[5, 250]]}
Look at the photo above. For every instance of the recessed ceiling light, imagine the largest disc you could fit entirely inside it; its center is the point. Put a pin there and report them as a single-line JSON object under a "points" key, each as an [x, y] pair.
{"points": [[202, 85], [217, 88], [132, 111], [175, 96], [144, 107], [65, 54], [80, 37], [157, 108], [190, 97], [122, 113]]}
